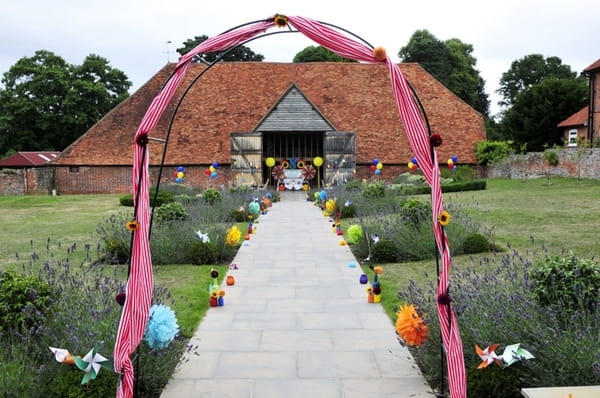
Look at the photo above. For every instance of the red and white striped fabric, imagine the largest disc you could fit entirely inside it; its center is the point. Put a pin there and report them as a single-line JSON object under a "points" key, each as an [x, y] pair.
{"points": [[139, 285]]}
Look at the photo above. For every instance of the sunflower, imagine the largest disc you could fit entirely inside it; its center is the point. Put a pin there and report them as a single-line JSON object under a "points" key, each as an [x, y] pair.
{"points": [[444, 218], [214, 294], [410, 326], [280, 21], [379, 54], [132, 225], [369, 290]]}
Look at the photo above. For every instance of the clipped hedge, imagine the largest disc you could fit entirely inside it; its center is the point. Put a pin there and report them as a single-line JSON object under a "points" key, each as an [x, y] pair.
{"points": [[474, 185]]}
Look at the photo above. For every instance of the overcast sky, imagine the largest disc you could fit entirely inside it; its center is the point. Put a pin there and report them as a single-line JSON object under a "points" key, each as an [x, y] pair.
{"points": [[133, 34]]}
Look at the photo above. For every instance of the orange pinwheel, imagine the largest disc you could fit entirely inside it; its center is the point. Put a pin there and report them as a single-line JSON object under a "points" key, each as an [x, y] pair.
{"points": [[487, 356]]}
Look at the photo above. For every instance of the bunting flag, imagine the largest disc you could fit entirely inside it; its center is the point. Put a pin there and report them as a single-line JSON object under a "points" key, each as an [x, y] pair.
{"points": [[139, 285]]}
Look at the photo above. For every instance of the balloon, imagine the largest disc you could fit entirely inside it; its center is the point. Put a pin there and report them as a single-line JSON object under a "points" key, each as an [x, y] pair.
{"points": [[180, 174], [454, 158], [212, 169], [323, 195], [450, 166], [215, 165], [373, 167], [179, 180], [450, 162], [377, 171], [414, 160], [207, 172], [318, 161], [379, 166], [454, 167], [175, 175], [410, 165], [180, 168], [213, 174], [375, 161], [270, 162]]}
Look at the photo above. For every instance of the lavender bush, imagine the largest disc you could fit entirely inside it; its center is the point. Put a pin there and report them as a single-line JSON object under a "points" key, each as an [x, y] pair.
{"points": [[85, 314], [494, 303]]}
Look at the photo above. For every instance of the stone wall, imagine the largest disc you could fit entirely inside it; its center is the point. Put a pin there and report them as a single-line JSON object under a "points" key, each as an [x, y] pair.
{"points": [[572, 162], [31, 181]]}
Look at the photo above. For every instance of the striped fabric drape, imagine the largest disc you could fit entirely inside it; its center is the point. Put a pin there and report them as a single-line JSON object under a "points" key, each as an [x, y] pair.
{"points": [[139, 285]]}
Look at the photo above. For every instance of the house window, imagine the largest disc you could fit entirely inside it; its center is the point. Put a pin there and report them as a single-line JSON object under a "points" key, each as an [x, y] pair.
{"points": [[73, 169], [572, 138]]}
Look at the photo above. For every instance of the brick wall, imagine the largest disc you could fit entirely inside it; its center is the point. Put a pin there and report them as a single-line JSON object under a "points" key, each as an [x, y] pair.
{"points": [[572, 162]]}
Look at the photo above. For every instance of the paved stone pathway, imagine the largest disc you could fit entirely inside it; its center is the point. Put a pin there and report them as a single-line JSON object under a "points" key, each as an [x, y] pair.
{"points": [[297, 322]]}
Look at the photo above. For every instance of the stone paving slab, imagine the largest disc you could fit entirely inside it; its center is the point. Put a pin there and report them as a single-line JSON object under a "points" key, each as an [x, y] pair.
{"points": [[296, 323]]}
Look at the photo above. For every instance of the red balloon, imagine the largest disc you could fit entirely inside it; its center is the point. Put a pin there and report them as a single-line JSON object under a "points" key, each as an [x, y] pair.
{"points": [[373, 167], [207, 172]]}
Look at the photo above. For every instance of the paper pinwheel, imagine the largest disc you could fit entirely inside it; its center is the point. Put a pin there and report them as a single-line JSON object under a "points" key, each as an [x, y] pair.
{"points": [[487, 356], [375, 238], [514, 353], [203, 237], [89, 364]]}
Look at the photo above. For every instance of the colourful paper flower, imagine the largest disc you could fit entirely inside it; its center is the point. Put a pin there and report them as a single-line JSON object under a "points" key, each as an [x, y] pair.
{"points": [[161, 328], [444, 218], [132, 225], [379, 54], [378, 269], [435, 140], [232, 238], [410, 326]]}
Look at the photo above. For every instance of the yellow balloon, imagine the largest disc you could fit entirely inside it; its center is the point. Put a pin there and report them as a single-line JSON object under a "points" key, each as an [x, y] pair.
{"points": [[450, 162], [180, 174], [318, 161], [211, 168], [330, 205], [379, 166], [410, 165], [270, 162]]}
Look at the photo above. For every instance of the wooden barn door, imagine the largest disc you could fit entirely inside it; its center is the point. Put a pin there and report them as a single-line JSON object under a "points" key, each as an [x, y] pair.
{"points": [[340, 157], [246, 158]]}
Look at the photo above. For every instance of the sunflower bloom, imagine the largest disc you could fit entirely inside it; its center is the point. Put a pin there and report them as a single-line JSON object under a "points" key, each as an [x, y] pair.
{"points": [[444, 218], [280, 21], [410, 326], [232, 238], [132, 225]]}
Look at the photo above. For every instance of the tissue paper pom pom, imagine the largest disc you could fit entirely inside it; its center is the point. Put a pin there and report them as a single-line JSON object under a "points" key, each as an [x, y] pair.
{"points": [[161, 328], [379, 54]]}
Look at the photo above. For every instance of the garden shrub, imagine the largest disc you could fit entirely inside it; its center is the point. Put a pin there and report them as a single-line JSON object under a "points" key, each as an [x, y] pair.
{"points": [[203, 253], [490, 152], [569, 281], [374, 190], [211, 196], [68, 384], [24, 301], [384, 251], [495, 381], [238, 216], [353, 185], [117, 250], [416, 211], [161, 198], [476, 243], [170, 211], [348, 211]]}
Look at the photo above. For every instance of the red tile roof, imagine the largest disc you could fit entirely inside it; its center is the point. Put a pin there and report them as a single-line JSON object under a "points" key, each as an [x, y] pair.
{"points": [[28, 159], [235, 97], [577, 119], [594, 66]]}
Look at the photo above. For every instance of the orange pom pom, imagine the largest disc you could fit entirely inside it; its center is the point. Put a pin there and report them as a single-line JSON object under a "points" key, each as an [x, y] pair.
{"points": [[379, 54]]}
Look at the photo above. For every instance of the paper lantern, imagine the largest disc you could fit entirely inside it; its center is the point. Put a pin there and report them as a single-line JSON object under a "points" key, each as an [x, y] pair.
{"points": [[318, 161], [270, 162]]}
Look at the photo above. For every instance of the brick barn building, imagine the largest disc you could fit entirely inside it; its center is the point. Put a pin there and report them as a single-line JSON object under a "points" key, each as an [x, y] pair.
{"points": [[239, 114]]}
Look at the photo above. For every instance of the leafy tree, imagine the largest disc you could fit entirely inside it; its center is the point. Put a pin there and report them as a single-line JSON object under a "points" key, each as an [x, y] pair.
{"points": [[452, 63], [536, 112], [319, 54], [528, 71], [238, 54], [46, 103]]}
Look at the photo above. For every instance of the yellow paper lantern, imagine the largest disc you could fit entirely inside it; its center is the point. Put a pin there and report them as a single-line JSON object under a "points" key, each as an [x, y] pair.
{"points": [[318, 161], [270, 162]]}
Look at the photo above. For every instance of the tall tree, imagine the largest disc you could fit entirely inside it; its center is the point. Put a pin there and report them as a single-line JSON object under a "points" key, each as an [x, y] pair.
{"points": [[452, 63], [537, 110], [46, 103], [319, 54], [238, 54], [528, 71]]}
